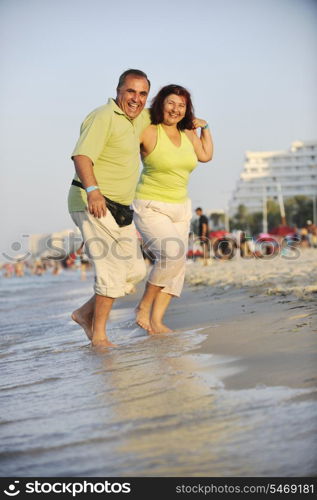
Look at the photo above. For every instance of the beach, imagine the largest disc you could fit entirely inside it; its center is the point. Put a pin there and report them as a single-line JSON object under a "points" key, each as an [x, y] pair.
{"points": [[268, 317], [231, 392]]}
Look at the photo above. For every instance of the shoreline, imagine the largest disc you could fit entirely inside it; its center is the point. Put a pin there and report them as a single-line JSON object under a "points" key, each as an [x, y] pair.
{"points": [[269, 340], [274, 341]]}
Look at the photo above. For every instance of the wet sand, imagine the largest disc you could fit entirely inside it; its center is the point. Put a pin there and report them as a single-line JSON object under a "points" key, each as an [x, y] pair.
{"points": [[274, 339], [266, 310]]}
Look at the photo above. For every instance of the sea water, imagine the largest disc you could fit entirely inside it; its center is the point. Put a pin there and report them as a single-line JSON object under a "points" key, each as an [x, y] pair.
{"points": [[152, 407]]}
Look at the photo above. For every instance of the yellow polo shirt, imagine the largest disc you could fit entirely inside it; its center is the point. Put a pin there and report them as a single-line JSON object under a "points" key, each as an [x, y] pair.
{"points": [[112, 141]]}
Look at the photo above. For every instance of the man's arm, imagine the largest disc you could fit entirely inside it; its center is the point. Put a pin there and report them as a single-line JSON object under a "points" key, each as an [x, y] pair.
{"points": [[204, 226], [204, 229], [95, 200]]}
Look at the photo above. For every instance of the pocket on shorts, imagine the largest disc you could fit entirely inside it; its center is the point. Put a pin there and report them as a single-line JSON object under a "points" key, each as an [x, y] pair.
{"points": [[107, 221], [140, 205]]}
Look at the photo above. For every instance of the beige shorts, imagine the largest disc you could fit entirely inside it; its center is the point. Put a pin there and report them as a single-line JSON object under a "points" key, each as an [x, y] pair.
{"points": [[164, 228], [115, 252]]}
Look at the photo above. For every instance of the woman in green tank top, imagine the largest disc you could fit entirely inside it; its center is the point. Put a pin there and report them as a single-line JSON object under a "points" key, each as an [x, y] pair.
{"points": [[170, 149]]}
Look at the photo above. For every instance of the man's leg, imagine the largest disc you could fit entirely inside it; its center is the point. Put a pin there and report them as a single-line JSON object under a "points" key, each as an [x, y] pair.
{"points": [[103, 307], [92, 317], [99, 236], [84, 316]]}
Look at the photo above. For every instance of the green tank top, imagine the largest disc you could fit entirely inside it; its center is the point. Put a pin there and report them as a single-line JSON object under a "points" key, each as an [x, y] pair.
{"points": [[166, 170]]}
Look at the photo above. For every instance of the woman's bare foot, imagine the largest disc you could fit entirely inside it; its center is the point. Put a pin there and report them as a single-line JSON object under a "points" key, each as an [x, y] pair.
{"points": [[143, 318], [84, 322], [102, 343], [158, 328]]}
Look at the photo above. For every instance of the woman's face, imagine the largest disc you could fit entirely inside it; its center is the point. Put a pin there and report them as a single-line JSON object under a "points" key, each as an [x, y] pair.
{"points": [[174, 109]]}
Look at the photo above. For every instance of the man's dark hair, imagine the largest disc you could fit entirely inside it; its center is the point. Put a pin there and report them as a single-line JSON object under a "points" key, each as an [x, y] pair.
{"points": [[156, 109], [199, 208], [136, 72]]}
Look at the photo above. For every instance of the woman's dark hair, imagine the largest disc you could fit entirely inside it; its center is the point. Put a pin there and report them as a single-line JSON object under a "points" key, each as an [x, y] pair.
{"points": [[156, 109]]}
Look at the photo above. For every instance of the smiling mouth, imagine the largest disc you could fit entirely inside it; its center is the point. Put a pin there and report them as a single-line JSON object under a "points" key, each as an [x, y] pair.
{"points": [[133, 107]]}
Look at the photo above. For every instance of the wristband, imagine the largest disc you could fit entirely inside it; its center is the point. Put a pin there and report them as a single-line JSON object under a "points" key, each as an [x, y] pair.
{"points": [[91, 188], [205, 126]]}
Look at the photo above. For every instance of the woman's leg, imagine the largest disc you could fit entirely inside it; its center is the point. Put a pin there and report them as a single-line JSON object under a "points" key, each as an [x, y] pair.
{"points": [[151, 309], [161, 238], [163, 297], [175, 285], [164, 230], [144, 308], [160, 305]]}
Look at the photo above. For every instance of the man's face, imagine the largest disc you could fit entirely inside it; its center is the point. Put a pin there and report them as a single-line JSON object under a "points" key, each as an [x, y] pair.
{"points": [[132, 95]]}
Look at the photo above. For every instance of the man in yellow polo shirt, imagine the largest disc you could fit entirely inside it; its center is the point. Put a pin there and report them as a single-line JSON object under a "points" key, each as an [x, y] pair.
{"points": [[106, 159]]}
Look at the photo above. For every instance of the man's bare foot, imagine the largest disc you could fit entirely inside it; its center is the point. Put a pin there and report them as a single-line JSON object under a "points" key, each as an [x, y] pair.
{"points": [[158, 328], [102, 343], [83, 322], [143, 318]]}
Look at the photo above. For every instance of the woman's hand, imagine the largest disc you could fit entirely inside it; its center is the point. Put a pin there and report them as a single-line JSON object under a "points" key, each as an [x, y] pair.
{"points": [[202, 142], [198, 122]]}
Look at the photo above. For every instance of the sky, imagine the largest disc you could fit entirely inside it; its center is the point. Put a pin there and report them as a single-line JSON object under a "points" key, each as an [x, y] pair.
{"points": [[250, 66]]}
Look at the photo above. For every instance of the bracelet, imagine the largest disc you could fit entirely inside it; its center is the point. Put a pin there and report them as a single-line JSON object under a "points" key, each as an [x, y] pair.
{"points": [[205, 126], [91, 188]]}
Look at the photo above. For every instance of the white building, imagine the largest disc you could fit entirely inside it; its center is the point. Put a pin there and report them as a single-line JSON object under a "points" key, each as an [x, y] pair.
{"points": [[54, 245], [264, 173]]}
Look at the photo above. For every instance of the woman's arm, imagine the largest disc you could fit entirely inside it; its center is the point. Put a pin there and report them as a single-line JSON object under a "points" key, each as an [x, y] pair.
{"points": [[203, 145], [148, 140]]}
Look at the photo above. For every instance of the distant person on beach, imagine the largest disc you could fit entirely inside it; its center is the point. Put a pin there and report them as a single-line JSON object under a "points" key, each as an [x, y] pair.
{"points": [[203, 231], [311, 233], [106, 159], [170, 148]]}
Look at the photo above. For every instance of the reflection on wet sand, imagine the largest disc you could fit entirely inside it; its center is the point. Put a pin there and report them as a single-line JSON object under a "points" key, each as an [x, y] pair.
{"points": [[170, 409]]}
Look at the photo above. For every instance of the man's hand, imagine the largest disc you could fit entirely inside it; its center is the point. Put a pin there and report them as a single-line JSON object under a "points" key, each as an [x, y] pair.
{"points": [[96, 204]]}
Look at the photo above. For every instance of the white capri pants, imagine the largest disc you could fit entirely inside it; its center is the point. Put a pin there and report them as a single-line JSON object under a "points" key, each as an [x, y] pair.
{"points": [[115, 252], [164, 228]]}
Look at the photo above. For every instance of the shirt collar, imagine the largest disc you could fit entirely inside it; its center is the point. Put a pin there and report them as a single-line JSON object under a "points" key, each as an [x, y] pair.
{"points": [[118, 110], [115, 107]]}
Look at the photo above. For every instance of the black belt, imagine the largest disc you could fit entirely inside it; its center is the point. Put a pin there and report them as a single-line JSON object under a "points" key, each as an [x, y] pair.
{"points": [[78, 184], [122, 214]]}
